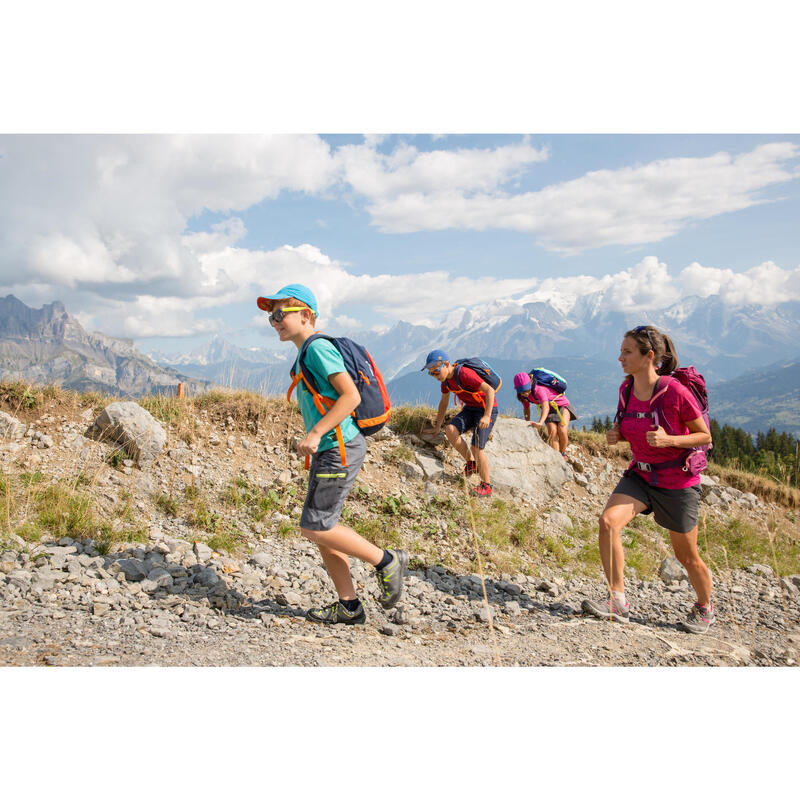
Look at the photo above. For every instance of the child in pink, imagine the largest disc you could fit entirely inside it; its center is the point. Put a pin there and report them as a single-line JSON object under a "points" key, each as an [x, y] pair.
{"points": [[555, 410]]}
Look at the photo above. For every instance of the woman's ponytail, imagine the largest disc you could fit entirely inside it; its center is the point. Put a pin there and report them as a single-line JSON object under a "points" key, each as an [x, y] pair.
{"points": [[669, 359]]}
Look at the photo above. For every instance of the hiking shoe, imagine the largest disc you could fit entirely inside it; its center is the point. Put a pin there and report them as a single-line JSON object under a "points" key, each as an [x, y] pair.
{"points": [[471, 468], [390, 578], [699, 620], [607, 609], [336, 612], [483, 489]]}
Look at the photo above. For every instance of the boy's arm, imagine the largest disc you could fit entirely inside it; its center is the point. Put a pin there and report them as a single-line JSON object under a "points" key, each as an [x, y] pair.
{"points": [[348, 400], [488, 392], [444, 401]]}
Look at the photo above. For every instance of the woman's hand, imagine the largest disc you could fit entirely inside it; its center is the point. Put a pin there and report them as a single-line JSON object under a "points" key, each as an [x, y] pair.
{"points": [[536, 424], [613, 436], [658, 438]]}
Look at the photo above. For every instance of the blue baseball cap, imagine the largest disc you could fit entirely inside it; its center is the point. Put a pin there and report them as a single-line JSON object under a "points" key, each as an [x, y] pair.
{"points": [[434, 357], [296, 290]]}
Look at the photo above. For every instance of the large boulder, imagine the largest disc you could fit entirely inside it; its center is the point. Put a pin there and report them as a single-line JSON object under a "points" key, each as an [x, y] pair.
{"points": [[520, 460], [132, 428]]}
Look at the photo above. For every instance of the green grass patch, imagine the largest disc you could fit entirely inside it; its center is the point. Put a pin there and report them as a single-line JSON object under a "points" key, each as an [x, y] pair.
{"points": [[735, 544], [166, 504], [201, 515], [411, 419], [399, 453], [226, 540]]}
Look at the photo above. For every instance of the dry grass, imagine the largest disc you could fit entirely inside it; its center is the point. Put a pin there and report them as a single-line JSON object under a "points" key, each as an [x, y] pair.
{"points": [[34, 509], [765, 488]]}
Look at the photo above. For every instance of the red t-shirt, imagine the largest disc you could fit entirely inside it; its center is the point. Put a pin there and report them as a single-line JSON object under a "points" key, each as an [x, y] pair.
{"points": [[680, 407], [471, 381]]}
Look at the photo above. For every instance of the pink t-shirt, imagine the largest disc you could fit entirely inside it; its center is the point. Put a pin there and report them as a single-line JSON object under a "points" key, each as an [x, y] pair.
{"points": [[544, 394], [680, 407]]}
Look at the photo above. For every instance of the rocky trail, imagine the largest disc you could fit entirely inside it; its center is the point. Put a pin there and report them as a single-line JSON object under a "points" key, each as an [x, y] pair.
{"points": [[171, 599]]}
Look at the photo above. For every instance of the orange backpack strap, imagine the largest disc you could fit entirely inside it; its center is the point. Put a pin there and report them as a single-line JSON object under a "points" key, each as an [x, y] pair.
{"points": [[323, 405]]}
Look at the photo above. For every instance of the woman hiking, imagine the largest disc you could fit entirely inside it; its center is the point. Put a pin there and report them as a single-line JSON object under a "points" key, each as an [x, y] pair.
{"points": [[662, 479]]}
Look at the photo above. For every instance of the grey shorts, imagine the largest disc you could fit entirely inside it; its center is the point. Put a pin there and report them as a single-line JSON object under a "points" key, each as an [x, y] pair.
{"points": [[674, 509], [568, 417], [468, 418], [329, 482]]}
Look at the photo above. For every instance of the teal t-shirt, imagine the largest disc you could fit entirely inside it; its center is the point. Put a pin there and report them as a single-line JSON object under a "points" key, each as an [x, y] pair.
{"points": [[322, 359]]}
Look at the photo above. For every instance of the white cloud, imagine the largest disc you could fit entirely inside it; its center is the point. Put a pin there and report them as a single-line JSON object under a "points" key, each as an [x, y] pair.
{"points": [[387, 178], [89, 210], [630, 206], [765, 284]]}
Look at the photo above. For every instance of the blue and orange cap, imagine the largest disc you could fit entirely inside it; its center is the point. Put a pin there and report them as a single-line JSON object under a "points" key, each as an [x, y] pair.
{"points": [[295, 290]]}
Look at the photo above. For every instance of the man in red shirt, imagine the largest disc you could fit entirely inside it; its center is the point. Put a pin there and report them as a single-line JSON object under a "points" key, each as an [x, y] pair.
{"points": [[478, 414]]}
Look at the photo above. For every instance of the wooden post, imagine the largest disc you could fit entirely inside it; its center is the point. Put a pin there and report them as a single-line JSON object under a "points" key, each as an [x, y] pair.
{"points": [[180, 391]]}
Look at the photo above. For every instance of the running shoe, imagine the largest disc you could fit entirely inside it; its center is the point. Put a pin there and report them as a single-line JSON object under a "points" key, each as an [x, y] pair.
{"points": [[607, 609], [336, 612], [471, 468], [390, 579], [700, 619], [483, 489]]}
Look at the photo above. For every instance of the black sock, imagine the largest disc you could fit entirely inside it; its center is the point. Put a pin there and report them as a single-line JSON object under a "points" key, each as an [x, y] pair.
{"points": [[387, 557], [350, 605]]}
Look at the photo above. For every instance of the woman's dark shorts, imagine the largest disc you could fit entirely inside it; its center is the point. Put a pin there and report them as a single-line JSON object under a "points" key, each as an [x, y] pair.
{"points": [[468, 418], [553, 416], [329, 482], [674, 509]]}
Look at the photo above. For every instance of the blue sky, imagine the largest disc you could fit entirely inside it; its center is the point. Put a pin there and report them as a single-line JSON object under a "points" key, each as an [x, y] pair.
{"points": [[169, 239]]}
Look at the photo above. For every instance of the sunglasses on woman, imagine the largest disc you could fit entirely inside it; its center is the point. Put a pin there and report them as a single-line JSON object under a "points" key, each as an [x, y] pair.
{"points": [[279, 313], [645, 328]]}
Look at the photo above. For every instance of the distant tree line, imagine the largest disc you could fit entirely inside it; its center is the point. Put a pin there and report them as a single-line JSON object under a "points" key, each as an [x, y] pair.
{"points": [[776, 455]]}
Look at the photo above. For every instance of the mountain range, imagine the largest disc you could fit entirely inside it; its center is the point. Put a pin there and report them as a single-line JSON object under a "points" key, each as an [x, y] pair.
{"points": [[749, 355], [50, 346]]}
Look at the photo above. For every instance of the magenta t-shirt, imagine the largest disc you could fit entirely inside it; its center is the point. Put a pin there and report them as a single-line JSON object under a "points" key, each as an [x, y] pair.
{"points": [[544, 394], [680, 407]]}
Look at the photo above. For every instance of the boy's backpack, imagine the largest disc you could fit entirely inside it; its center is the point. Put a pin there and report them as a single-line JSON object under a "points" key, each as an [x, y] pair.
{"points": [[548, 378], [694, 460], [484, 371], [375, 407]]}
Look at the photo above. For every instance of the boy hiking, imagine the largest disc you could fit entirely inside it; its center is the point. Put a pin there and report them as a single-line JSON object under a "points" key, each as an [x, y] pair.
{"points": [[337, 449], [470, 380]]}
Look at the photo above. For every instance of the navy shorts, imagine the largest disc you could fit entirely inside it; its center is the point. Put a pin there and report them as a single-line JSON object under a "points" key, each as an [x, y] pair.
{"points": [[329, 483], [674, 509], [468, 418]]}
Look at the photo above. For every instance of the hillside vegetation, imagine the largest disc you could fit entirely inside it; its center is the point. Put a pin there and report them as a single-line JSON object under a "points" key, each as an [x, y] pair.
{"points": [[229, 480]]}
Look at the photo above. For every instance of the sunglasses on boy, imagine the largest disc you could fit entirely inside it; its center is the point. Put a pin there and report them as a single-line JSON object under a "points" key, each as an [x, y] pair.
{"points": [[645, 328], [435, 370], [279, 313]]}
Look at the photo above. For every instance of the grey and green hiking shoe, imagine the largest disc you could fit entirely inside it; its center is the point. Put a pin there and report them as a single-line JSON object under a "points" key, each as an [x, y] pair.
{"points": [[700, 619], [336, 612], [606, 609], [390, 579]]}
